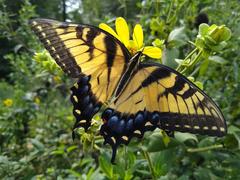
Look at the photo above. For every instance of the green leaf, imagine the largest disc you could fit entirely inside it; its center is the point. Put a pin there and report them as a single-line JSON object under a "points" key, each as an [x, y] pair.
{"points": [[179, 61], [4, 160], [191, 78], [204, 173], [177, 37], [93, 173], [169, 56], [71, 148], [128, 175], [206, 142], [213, 38], [226, 35], [217, 59], [143, 172], [200, 43], [203, 67], [177, 34], [58, 152], [106, 166], [210, 41], [75, 173], [163, 161], [158, 43], [156, 143], [232, 129], [131, 158], [220, 33], [183, 137], [203, 29], [199, 84], [37, 144], [231, 142], [18, 47], [165, 137]]}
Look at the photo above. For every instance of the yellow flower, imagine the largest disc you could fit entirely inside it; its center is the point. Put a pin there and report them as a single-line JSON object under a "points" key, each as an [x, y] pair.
{"points": [[134, 45], [8, 102], [37, 100]]}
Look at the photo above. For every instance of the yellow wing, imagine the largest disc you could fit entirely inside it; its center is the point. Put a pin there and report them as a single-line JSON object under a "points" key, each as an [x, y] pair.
{"points": [[158, 96], [88, 53]]}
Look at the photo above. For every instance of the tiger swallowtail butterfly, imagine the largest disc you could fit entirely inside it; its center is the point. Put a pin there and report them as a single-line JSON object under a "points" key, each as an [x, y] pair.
{"points": [[137, 96]]}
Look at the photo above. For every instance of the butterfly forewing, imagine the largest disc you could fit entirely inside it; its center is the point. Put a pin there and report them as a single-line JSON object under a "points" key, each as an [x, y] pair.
{"points": [[88, 53]]}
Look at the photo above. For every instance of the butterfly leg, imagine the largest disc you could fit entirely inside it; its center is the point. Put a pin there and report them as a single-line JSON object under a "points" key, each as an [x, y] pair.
{"points": [[84, 103]]}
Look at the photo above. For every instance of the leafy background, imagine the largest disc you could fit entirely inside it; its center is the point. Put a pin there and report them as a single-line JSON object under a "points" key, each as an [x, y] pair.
{"points": [[36, 115]]}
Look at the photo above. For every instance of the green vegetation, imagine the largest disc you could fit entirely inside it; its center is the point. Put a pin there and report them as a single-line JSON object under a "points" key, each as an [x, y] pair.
{"points": [[36, 114]]}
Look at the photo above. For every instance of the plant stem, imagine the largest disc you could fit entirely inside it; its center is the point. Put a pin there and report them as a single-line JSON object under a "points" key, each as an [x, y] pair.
{"points": [[150, 164], [192, 150], [169, 11], [196, 59], [193, 62], [125, 155], [186, 58]]}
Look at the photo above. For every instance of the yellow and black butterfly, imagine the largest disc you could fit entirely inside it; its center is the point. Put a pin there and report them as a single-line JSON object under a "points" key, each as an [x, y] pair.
{"points": [[139, 96]]}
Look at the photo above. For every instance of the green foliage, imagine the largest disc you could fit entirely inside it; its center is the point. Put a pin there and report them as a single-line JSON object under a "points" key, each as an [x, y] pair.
{"points": [[212, 38], [36, 115]]}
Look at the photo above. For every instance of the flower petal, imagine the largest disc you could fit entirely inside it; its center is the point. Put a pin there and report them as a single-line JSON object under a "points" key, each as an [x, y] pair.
{"points": [[132, 47], [122, 30], [138, 35], [153, 52], [107, 28]]}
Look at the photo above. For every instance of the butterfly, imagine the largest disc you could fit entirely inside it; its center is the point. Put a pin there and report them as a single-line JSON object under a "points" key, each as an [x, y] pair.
{"points": [[135, 96]]}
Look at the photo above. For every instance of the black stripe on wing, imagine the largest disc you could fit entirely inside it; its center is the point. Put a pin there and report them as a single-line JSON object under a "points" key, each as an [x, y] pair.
{"points": [[48, 36]]}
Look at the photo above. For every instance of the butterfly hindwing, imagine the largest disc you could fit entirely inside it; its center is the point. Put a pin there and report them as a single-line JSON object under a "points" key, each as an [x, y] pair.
{"points": [[157, 96], [94, 56]]}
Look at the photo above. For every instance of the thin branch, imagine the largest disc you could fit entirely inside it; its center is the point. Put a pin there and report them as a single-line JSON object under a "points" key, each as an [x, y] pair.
{"points": [[193, 150], [150, 164]]}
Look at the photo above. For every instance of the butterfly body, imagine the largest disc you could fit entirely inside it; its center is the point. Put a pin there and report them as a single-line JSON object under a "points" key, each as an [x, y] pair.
{"points": [[139, 96]]}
